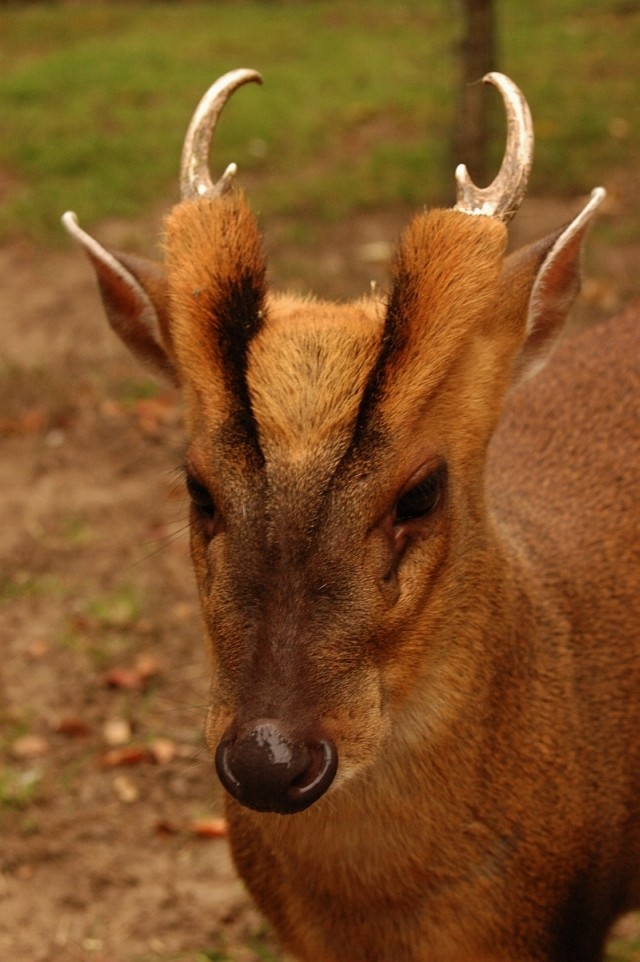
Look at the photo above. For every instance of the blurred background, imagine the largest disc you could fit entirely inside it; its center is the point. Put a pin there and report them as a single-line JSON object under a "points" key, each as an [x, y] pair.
{"points": [[109, 812]]}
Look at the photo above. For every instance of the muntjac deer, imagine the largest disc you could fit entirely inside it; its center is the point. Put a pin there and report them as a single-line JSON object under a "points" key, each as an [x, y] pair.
{"points": [[419, 572]]}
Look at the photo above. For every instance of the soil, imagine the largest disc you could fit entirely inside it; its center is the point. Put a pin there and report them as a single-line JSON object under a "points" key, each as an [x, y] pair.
{"points": [[108, 800]]}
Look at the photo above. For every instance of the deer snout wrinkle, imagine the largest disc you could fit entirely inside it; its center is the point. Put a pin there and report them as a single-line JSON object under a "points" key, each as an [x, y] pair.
{"points": [[270, 772]]}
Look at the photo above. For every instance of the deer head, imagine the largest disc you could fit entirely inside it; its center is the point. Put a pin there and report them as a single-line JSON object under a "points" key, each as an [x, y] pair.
{"points": [[335, 458]]}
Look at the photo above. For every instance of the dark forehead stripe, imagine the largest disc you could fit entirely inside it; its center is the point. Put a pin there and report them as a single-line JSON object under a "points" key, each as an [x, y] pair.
{"points": [[395, 335], [217, 274], [240, 313], [394, 338], [369, 433]]}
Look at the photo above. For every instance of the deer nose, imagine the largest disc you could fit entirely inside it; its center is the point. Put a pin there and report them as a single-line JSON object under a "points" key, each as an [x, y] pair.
{"points": [[270, 772]]}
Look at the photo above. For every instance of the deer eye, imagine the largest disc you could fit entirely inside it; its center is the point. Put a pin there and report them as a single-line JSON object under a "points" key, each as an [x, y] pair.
{"points": [[202, 502], [421, 499]]}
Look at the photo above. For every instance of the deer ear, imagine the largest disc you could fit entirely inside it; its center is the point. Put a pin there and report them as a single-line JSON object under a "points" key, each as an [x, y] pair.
{"points": [[546, 277], [135, 298]]}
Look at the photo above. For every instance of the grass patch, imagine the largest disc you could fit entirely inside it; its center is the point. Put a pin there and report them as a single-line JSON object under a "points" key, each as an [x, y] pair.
{"points": [[136, 389], [77, 531], [624, 950], [116, 610], [19, 787], [95, 115], [356, 112], [260, 943], [105, 628], [23, 584], [573, 60]]}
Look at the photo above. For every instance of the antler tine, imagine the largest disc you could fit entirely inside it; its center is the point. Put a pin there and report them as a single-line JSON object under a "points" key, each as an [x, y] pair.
{"points": [[195, 179], [503, 197]]}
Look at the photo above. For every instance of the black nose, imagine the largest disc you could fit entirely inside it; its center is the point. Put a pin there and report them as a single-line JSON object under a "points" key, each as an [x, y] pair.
{"points": [[269, 772]]}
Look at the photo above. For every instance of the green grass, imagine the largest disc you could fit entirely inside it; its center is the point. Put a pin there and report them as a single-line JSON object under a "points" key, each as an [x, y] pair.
{"points": [[117, 609], [575, 61], [132, 390], [104, 628], [96, 115], [356, 111], [18, 787], [626, 949], [23, 584], [257, 943]]}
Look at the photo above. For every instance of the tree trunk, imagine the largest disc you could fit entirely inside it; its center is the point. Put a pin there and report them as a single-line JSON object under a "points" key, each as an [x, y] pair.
{"points": [[473, 126]]}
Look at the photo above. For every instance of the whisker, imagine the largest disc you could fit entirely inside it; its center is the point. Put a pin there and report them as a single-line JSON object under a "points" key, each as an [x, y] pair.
{"points": [[161, 543]]}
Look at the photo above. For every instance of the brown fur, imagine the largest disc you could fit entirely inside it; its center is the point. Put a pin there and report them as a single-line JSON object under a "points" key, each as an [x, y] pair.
{"points": [[477, 668], [216, 279]]}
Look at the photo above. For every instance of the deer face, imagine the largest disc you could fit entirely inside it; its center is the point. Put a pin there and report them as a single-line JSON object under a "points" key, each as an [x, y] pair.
{"points": [[320, 467], [286, 599], [335, 458]]}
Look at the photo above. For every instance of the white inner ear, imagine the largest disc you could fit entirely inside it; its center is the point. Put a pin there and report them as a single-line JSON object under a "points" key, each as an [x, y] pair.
{"points": [[70, 222], [576, 227]]}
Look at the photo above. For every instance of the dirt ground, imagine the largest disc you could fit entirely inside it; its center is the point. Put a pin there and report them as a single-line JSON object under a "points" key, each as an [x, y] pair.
{"points": [[108, 801]]}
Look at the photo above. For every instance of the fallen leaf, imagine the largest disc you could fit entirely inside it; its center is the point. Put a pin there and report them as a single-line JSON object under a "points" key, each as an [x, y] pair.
{"points": [[208, 827], [30, 422], [131, 755], [112, 409], [125, 789], [38, 649], [165, 828], [82, 622], [123, 678], [29, 746], [163, 750], [152, 414], [146, 667], [116, 731], [73, 726]]}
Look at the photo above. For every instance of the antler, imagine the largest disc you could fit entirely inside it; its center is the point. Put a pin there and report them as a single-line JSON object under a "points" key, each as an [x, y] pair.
{"points": [[195, 179], [503, 197]]}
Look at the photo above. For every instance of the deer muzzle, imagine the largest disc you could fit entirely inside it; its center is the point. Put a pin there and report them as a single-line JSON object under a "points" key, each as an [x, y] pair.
{"points": [[269, 771]]}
